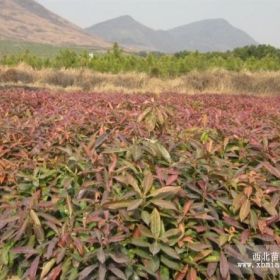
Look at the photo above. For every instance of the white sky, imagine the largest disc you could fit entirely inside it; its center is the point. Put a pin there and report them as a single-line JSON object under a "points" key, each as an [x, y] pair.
{"points": [[260, 18]]}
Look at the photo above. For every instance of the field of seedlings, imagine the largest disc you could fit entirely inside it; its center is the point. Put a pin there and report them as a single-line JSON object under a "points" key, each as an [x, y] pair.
{"points": [[115, 186]]}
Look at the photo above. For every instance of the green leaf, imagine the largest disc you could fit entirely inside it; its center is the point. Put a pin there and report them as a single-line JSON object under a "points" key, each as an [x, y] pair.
{"points": [[129, 180], [160, 116], [269, 208], [154, 264], [5, 254], [39, 233], [238, 201], [245, 210], [163, 152], [151, 122], [69, 205], [145, 216], [223, 239], [164, 273], [35, 218], [214, 258], [143, 115], [253, 220], [135, 204], [155, 223], [65, 268], [73, 274], [147, 182], [154, 248], [169, 251], [129, 204], [165, 191], [114, 150], [164, 204], [142, 253], [140, 243], [171, 233], [170, 264], [136, 152], [47, 267]]}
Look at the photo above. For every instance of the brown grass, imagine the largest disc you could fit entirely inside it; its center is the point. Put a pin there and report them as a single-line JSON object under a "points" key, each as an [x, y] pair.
{"points": [[215, 81], [16, 75]]}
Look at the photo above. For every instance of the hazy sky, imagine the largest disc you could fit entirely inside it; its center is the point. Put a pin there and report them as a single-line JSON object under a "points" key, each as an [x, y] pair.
{"points": [[260, 18]]}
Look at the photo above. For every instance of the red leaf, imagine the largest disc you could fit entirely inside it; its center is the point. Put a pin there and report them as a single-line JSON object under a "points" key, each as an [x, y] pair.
{"points": [[187, 207], [113, 164], [171, 179], [211, 268], [181, 274], [79, 246], [54, 274], [273, 170], [32, 273], [87, 271], [224, 266], [192, 275], [24, 250], [244, 236]]}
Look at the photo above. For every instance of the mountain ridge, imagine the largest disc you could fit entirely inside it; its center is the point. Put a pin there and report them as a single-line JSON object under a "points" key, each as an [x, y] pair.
{"points": [[205, 35], [27, 20], [137, 36]]}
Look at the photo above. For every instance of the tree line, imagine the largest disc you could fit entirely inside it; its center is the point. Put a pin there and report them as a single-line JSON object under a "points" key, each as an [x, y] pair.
{"points": [[250, 58]]}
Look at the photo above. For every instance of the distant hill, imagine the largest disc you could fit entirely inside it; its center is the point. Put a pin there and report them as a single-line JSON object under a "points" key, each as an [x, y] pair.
{"points": [[29, 21], [210, 35], [130, 33], [206, 35]]}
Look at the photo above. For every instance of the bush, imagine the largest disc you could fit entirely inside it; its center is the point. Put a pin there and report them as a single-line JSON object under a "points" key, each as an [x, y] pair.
{"points": [[15, 76], [59, 78], [155, 72]]}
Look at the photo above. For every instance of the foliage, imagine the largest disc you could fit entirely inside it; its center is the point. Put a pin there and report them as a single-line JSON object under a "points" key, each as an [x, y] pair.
{"points": [[96, 187], [252, 58]]}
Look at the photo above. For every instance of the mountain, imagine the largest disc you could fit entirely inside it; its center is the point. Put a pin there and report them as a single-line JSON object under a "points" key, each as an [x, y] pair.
{"points": [[27, 20], [210, 35], [206, 35], [130, 33]]}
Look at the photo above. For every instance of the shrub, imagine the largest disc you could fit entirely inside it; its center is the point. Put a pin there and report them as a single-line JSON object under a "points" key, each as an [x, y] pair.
{"points": [[155, 72], [15, 76], [59, 78]]}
